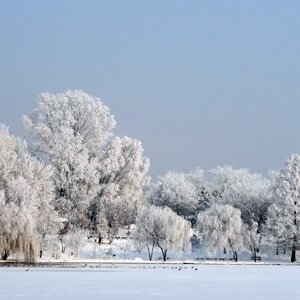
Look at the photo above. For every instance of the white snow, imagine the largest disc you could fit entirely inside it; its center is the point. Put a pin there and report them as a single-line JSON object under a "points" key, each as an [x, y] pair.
{"points": [[163, 281]]}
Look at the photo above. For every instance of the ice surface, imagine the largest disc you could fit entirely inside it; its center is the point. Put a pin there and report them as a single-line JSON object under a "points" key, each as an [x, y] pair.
{"points": [[163, 281]]}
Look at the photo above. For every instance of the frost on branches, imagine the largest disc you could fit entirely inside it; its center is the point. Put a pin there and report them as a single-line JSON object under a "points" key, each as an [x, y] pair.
{"points": [[69, 131], [175, 191], [284, 216], [221, 228], [94, 173], [122, 173], [161, 227], [26, 193], [250, 193]]}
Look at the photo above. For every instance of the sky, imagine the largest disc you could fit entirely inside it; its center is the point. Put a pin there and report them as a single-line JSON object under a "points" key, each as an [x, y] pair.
{"points": [[199, 83]]}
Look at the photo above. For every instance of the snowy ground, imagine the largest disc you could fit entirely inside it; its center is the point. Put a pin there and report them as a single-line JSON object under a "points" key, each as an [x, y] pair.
{"points": [[162, 281], [118, 271], [122, 249]]}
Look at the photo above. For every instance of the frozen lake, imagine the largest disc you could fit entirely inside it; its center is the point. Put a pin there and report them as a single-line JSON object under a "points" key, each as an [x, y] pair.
{"points": [[152, 282]]}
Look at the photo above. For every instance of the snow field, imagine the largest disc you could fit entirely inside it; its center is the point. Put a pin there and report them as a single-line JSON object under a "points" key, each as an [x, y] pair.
{"points": [[164, 281]]}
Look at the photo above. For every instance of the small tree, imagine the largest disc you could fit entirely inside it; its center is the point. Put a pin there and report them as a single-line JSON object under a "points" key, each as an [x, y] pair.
{"points": [[252, 238], [102, 227], [221, 227], [113, 229], [141, 236], [63, 236], [76, 241], [161, 227], [125, 246]]}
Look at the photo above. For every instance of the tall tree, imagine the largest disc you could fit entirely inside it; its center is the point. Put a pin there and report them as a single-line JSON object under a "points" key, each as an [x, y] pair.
{"points": [[69, 131], [26, 195], [123, 175], [285, 212]]}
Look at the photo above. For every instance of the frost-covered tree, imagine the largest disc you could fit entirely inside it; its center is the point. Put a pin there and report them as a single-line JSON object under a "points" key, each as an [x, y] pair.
{"points": [[285, 212], [69, 131], [252, 238], [175, 191], [123, 174], [72, 132], [221, 228], [161, 227], [142, 237], [26, 195], [70, 237], [250, 193], [203, 189], [101, 225], [113, 228]]}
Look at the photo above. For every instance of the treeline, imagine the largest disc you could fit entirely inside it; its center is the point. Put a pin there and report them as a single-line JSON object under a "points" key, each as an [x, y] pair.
{"points": [[73, 177], [234, 210]]}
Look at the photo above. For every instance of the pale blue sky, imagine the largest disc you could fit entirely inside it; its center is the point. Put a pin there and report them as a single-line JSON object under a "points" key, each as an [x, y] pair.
{"points": [[199, 83]]}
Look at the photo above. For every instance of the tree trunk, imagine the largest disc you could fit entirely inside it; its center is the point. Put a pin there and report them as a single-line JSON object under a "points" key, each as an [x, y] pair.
{"points": [[293, 258], [150, 252], [31, 254], [4, 255], [235, 256], [164, 253]]}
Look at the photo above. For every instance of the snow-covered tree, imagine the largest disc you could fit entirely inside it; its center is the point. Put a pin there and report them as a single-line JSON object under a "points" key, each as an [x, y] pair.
{"points": [[26, 195], [101, 225], [161, 227], [284, 215], [123, 174], [175, 191], [203, 189], [70, 237], [142, 236], [113, 228], [73, 133], [68, 131], [252, 238], [221, 228], [250, 193]]}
